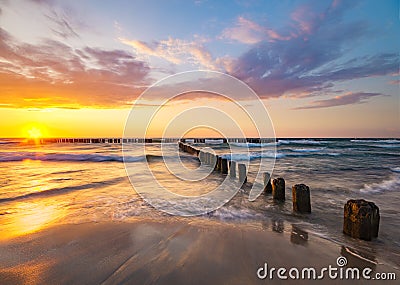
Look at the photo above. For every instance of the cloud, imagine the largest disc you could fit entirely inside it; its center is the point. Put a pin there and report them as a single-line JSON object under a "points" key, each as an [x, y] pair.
{"points": [[249, 32], [312, 60], [63, 26], [347, 99], [53, 74], [176, 51], [315, 50]]}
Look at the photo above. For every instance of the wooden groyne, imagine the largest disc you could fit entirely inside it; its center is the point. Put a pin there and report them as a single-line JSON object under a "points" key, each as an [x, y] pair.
{"points": [[220, 164], [361, 218]]}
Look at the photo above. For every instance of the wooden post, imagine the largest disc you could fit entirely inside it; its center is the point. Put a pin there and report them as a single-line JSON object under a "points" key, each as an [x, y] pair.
{"points": [[301, 198], [214, 159], [361, 219], [278, 189], [224, 166], [218, 166], [232, 169], [242, 173], [201, 157], [267, 183]]}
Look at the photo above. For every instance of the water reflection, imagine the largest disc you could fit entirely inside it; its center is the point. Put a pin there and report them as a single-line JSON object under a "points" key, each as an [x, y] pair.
{"points": [[278, 225], [298, 236]]}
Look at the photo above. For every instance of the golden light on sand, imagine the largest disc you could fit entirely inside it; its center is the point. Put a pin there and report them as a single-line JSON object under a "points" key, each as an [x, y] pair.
{"points": [[30, 217]]}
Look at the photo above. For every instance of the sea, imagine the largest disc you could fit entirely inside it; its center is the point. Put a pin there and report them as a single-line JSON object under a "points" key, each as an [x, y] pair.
{"points": [[72, 183]]}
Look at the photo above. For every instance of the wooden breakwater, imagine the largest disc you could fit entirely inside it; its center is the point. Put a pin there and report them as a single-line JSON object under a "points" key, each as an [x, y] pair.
{"points": [[218, 163], [156, 140], [361, 218]]}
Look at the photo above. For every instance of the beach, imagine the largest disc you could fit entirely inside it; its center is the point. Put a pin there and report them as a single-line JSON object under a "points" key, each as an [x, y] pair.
{"points": [[167, 251], [70, 215], [199, 142]]}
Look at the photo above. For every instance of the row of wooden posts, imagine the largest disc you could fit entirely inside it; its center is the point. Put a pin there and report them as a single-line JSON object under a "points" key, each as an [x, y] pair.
{"points": [[361, 218], [276, 187]]}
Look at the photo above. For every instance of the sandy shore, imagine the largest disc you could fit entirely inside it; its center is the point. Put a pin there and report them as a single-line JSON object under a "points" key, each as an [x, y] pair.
{"points": [[168, 251]]}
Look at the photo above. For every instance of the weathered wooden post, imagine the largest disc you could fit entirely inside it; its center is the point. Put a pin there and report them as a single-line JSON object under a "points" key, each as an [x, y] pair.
{"points": [[242, 173], [232, 169], [361, 219], [267, 183], [201, 157], [218, 166], [224, 166], [214, 159], [301, 198], [278, 189]]}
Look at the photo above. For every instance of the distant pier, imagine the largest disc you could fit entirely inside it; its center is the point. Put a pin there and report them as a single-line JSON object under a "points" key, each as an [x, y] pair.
{"points": [[155, 140]]}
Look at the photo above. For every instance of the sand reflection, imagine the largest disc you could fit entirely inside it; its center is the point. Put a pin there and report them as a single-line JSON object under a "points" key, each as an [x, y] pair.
{"points": [[29, 217]]}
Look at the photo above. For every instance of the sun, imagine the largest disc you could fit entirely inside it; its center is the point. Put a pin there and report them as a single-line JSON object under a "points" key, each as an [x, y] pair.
{"points": [[34, 133]]}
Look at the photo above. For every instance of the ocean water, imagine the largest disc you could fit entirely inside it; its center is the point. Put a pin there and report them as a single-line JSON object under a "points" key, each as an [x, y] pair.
{"points": [[50, 184]]}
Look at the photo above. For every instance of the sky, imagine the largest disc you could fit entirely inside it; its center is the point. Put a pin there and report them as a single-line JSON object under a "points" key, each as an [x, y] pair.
{"points": [[321, 68]]}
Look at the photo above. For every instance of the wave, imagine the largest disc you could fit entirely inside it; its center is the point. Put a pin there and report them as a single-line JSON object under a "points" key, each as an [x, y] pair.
{"points": [[395, 169], [232, 213], [63, 190], [390, 141], [308, 149], [304, 141], [216, 141], [9, 142], [21, 156], [87, 157], [387, 145], [253, 155], [277, 155], [387, 185], [254, 144]]}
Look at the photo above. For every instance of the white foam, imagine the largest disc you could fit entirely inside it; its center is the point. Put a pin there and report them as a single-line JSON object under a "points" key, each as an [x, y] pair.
{"points": [[313, 142], [388, 185], [219, 141], [376, 141], [254, 144], [395, 169], [308, 149]]}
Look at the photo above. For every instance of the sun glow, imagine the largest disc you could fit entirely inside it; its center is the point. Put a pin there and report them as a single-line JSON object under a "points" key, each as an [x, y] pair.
{"points": [[34, 133]]}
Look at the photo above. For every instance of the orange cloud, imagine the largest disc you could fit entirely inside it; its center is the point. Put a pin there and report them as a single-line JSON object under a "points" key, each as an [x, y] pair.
{"points": [[54, 74]]}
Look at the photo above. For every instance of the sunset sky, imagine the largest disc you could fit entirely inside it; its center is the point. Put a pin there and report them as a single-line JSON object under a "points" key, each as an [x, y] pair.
{"points": [[322, 68]]}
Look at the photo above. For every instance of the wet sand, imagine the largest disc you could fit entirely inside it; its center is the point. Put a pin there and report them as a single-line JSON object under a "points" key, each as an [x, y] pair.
{"points": [[168, 251]]}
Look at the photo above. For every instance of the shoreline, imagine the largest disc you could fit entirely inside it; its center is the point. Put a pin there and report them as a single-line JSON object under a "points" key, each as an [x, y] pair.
{"points": [[169, 251]]}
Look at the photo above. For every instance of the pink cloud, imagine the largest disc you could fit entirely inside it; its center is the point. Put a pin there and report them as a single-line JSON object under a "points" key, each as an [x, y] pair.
{"points": [[347, 99], [306, 20], [249, 32], [176, 51]]}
